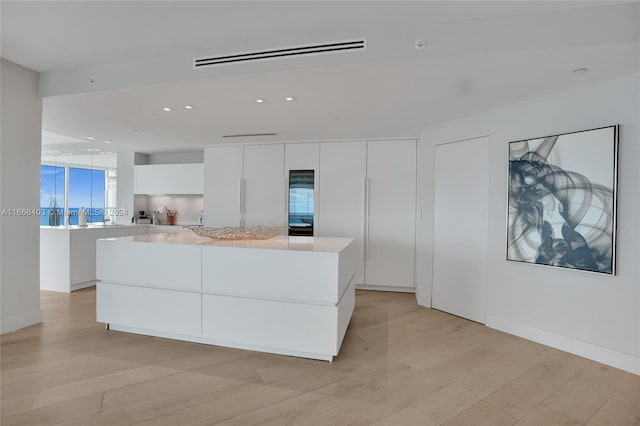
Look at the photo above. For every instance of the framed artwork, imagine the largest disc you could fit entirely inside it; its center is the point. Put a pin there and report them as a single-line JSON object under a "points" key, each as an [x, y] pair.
{"points": [[562, 200]]}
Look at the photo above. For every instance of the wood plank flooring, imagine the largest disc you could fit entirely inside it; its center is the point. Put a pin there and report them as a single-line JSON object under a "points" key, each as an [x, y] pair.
{"points": [[400, 364]]}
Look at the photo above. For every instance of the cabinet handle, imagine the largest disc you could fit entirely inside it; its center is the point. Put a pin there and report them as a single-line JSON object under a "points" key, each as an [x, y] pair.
{"points": [[242, 202], [365, 214], [368, 221]]}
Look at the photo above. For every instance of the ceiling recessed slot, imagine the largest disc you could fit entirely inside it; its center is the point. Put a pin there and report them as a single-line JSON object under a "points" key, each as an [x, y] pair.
{"points": [[249, 135], [283, 52]]}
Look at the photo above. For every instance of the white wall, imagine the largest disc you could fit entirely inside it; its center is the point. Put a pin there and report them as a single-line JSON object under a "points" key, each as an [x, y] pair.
{"points": [[20, 142], [189, 207], [593, 315]]}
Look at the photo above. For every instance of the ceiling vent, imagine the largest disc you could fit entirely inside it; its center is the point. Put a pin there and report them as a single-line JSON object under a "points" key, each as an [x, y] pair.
{"points": [[248, 135], [283, 52]]}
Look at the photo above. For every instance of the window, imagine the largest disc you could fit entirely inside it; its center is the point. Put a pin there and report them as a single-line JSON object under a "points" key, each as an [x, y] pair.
{"points": [[86, 189], [51, 195]]}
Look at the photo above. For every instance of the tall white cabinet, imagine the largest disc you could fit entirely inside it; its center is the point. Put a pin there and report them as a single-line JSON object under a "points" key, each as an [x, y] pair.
{"points": [[391, 214], [368, 191], [222, 185], [264, 192], [341, 198], [364, 190], [244, 185]]}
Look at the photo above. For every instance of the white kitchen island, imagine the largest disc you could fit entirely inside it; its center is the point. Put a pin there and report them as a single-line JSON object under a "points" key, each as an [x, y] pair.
{"points": [[285, 295]]}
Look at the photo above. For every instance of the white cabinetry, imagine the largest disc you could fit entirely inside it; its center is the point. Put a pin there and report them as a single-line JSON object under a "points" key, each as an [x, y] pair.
{"points": [[222, 186], [341, 197], [368, 192], [169, 179], [391, 214], [264, 193], [364, 190], [244, 185]]}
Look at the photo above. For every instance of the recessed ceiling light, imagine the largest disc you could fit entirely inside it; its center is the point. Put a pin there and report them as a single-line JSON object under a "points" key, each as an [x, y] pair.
{"points": [[107, 141], [89, 149], [260, 101], [166, 109], [289, 99], [188, 107], [91, 138], [580, 71]]}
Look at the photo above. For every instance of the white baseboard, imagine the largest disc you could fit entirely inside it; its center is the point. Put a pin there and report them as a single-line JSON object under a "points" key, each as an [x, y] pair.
{"points": [[85, 284], [24, 319], [385, 288], [597, 353]]}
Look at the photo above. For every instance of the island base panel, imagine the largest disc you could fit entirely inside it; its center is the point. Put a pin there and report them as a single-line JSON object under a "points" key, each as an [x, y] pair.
{"points": [[149, 308]]}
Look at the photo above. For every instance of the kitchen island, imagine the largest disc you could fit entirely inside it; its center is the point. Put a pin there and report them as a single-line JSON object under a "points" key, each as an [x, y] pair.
{"points": [[285, 295], [68, 252]]}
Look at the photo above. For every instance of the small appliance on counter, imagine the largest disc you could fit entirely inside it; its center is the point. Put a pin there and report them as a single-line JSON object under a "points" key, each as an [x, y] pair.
{"points": [[143, 218]]}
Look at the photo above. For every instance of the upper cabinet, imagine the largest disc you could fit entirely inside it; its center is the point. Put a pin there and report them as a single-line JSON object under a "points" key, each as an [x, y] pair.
{"points": [[155, 179]]}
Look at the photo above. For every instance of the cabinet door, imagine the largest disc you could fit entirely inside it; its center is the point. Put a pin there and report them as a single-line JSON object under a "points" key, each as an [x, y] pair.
{"points": [[341, 194], [169, 179], [222, 175], [264, 193], [391, 214], [144, 178]]}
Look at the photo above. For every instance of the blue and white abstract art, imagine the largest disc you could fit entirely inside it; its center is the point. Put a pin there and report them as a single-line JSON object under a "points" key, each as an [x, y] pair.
{"points": [[562, 200]]}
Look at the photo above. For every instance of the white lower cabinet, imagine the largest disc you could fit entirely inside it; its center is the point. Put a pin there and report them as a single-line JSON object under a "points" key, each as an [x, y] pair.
{"points": [[173, 312], [268, 324]]}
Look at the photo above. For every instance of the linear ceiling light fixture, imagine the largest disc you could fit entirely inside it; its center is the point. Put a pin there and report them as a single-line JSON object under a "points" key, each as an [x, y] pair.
{"points": [[283, 52]]}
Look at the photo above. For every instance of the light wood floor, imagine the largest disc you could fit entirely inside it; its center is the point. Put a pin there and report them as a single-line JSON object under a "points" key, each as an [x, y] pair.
{"points": [[400, 365]]}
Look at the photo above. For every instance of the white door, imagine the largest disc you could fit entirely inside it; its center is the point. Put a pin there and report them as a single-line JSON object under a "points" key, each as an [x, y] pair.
{"points": [[264, 192], [460, 228], [222, 180], [391, 214], [342, 194]]}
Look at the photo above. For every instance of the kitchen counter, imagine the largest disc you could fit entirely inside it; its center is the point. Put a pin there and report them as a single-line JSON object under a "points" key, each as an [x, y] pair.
{"points": [[285, 295], [317, 244]]}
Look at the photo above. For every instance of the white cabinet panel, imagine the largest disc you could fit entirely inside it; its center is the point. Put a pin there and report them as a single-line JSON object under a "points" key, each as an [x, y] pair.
{"points": [[264, 193], [460, 228], [149, 309], [341, 195], [391, 213], [152, 264], [169, 179], [223, 172], [270, 324], [302, 156]]}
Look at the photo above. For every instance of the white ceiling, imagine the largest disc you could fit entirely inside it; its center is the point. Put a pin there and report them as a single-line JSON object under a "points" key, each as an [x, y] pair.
{"points": [[479, 55]]}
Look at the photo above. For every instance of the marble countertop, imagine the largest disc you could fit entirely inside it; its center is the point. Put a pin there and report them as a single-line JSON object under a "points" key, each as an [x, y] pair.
{"points": [[315, 244], [115, 226]]}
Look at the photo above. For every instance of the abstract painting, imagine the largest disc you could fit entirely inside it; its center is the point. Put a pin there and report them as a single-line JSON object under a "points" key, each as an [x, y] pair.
{"points": [[562, 200]]}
